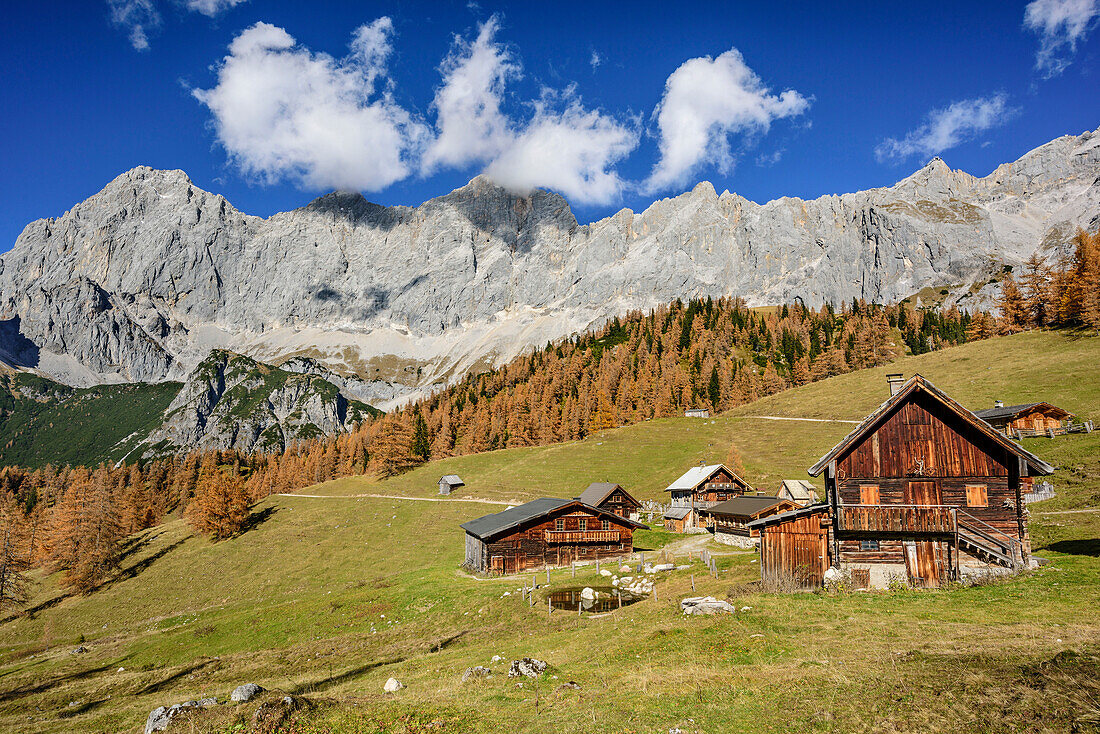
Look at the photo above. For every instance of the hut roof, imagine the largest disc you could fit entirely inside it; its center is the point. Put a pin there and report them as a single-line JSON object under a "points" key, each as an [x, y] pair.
{"points": [[677, 513], [789, 515], [1011, 411], [453, 479], [800, 490], [744, 506], [917, 383], [597, 492], [488, 526], [696, 475]]}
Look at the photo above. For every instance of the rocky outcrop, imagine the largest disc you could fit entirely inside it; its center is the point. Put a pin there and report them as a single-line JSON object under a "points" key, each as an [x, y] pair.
{"points": [[140, 281], [234, 402]]}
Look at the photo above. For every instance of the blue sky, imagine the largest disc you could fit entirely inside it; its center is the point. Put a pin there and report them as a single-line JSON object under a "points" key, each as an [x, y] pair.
{"points": [[273, 103]]}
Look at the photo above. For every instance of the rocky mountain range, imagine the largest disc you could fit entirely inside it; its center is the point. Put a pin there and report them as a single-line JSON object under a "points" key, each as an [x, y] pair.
{"points": [[140, 282]]}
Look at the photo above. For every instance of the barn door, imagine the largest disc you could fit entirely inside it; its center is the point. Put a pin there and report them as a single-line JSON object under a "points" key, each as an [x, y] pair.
{"points": [[496, 564], [922, 493], [922, 563]]}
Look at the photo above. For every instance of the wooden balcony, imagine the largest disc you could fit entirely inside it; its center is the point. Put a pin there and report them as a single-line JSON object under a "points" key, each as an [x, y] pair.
{"points": [[588, 536], [897, 518]]}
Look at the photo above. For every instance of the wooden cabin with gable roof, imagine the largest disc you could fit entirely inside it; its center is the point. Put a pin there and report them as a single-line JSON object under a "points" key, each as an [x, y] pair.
{"points": [[545, 532], [922, 490], [698, 488]]}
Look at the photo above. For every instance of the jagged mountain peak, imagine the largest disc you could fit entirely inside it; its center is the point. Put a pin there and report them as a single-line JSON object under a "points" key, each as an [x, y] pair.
{"points": [[141, 281]]}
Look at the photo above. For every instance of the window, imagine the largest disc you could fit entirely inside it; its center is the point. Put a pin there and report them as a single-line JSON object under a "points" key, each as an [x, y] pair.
{"points": [[582, 524], [868, 494], [977, 495], [868, 545], [606, 525], [559, 525]]}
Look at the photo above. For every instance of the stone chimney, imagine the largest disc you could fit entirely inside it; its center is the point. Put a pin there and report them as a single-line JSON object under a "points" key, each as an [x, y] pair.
{"points": [[998, 403], [895, 381]]}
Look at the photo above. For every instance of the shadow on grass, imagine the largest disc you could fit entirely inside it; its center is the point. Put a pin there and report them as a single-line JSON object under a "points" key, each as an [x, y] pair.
{"points": [[68, 713], [448, 641], [1090, 547], [257, 519], [335, 680], [164, 683], [125, 574], [40, 686]]}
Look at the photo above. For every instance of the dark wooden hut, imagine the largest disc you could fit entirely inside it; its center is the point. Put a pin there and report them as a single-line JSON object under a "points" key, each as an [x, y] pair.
{"points": [[545, 532], [923, 491], [1028, 419]]}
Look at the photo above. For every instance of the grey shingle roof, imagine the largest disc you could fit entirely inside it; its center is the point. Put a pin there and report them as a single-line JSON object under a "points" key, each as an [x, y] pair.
{"points": [[677, 513], [597, 492], [488, 526], [453, 479], [742, 506]]}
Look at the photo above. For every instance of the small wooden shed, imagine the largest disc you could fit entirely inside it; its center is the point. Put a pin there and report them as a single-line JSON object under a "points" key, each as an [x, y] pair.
{"points": [[450, 482], [802, 492], [697, 413], [794, 546]]}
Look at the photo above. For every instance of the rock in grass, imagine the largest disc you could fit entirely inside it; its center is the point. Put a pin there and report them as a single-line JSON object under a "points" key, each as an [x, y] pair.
{"points": [[705, 605], [161, 717], [477, 671], [79, 650], [527, 667], [246, 692], [393, 686]]}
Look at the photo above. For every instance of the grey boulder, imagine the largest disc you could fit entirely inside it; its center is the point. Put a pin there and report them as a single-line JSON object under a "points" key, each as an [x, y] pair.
{"points": [[246, 692]]}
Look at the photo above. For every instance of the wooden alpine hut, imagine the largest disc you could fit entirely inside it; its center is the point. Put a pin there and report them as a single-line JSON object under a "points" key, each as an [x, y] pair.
{"points": [[545, 532], [730, 520], [698, 488], [1028, 419], [922, 491]]}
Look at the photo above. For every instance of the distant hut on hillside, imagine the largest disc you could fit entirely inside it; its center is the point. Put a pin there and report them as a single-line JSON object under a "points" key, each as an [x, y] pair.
{"points": [[546, 532], [1027, 419], [610, 497], [450, 482], [697, 413], [698, 487]]}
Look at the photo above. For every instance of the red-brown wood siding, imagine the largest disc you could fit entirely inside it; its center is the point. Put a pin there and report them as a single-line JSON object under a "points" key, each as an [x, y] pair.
{"points": [[534, 545]]}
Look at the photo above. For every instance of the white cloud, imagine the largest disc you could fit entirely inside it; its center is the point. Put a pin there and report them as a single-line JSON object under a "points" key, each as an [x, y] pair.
{"points": [[705, 101], [595, 60], [471, 126], [562, 146], [138, 17], [570, 151], [211, 8], [283, 112], [1060, 25], [947, 127]]}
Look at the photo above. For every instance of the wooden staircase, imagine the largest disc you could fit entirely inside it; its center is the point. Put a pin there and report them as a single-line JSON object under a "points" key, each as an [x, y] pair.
{"points": [[987, 543]]}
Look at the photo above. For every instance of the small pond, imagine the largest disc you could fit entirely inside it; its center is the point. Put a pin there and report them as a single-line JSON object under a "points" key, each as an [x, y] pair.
{"points": [[607, 599]]}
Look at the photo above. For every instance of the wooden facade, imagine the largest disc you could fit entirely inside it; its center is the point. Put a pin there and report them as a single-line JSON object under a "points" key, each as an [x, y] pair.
{"points": [[701, 487], [543, 533], [794, 547], [924, 491]]}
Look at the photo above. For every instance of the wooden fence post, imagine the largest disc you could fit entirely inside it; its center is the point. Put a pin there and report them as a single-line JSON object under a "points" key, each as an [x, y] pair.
{"points": [[574, 566], [693, 582]]}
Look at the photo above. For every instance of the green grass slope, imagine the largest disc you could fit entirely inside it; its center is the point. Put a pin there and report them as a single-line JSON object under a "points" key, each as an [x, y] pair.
{"points": [[43, 422], [328, 597]]}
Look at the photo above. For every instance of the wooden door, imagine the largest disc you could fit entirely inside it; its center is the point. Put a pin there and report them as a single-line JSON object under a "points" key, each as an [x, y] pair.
{"points": [[922, 563], [922, 493], [496, 564], [801, 557]]}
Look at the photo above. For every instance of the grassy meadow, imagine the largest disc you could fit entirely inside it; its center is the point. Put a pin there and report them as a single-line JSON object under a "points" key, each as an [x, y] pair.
{"points": [[325, 598]]}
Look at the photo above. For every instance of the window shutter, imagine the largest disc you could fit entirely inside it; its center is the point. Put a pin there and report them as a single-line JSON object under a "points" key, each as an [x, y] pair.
{"points": [[868, 494], [977, 495]]}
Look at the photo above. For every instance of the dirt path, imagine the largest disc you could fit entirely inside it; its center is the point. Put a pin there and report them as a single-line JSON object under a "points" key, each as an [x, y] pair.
{"points": [[399, 497], [811, 420], [1066, 512]]}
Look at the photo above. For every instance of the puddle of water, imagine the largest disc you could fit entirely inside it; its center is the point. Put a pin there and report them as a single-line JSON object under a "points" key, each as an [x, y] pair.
{"points": [[607, 599]]}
